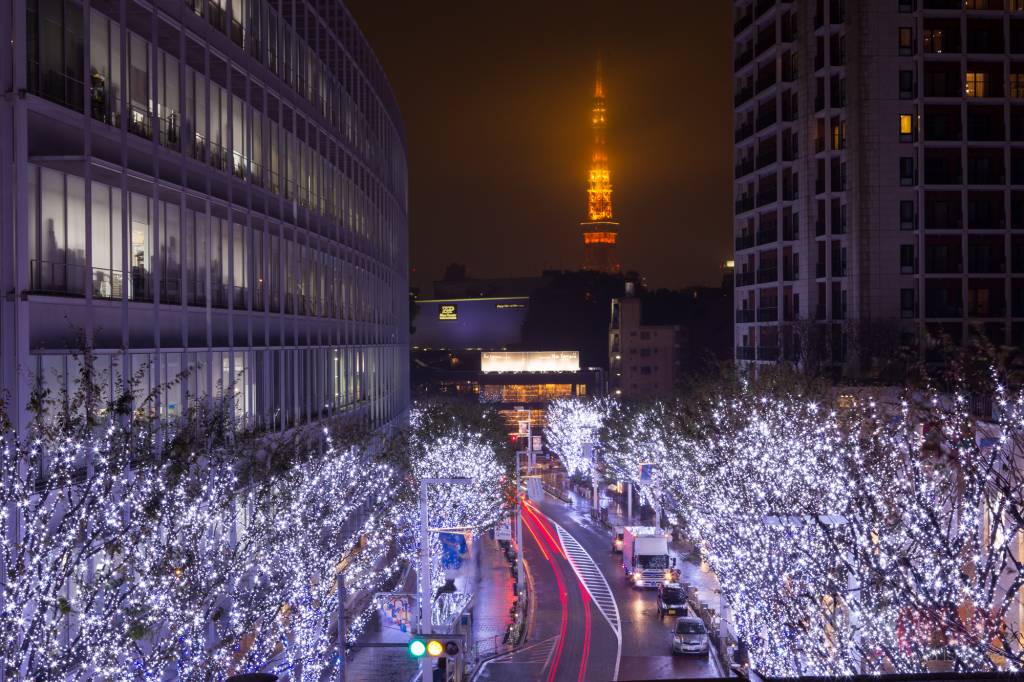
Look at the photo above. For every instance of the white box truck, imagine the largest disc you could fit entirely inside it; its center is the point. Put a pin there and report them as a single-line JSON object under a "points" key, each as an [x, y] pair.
{"points": [[645, 556]]}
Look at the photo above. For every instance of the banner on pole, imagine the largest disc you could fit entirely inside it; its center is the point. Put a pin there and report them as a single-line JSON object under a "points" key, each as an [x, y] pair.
{"points": [[646, 471], [396, 610], [503, 531]]}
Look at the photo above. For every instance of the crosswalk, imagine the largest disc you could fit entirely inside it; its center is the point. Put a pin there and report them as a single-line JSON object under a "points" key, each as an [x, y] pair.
{"points": [[595, 584]]}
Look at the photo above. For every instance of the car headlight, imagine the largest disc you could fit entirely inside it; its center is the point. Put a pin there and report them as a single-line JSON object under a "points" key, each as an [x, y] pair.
{"points": [[668, 575], [637, 578]]}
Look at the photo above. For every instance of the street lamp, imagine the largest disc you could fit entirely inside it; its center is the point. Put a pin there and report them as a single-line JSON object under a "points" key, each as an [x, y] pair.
{"points": [[426, 622]]}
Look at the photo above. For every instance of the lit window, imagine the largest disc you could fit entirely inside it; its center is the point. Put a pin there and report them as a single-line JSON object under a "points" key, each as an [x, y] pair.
{"points": [[906, 127], [1017, 83], [975, 84], [906, 40]]}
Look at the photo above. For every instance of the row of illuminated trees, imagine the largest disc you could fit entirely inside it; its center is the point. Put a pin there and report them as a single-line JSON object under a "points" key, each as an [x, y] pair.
{"points": [[196, 551], [849, 535]]}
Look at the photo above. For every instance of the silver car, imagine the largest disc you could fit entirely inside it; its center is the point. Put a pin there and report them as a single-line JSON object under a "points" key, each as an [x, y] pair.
{"points": [[689, 636]]}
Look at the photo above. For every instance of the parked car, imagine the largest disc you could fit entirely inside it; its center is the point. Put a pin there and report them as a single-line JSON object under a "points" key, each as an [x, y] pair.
{"points": [[617, 539], [671, 600], [690, 636]]}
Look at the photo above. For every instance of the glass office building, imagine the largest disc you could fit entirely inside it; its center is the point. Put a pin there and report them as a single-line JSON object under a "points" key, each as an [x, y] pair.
{"points": [[210, 190]]}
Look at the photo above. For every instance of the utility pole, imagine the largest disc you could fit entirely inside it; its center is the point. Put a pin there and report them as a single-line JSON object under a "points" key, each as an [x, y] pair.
{"points": [[588, 453], [342, 630], [519, 534], [629, 502]]}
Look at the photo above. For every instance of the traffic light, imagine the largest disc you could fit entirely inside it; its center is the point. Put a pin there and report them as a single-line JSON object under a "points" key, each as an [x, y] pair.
{"points": [[434, 646]]}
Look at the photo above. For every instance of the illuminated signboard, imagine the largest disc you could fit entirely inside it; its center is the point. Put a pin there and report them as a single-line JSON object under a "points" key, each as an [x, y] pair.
{"points": [[536, 361], [447, 311]]}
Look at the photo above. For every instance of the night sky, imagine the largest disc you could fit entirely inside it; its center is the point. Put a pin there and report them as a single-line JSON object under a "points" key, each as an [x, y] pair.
{"points": [[496, 100]]}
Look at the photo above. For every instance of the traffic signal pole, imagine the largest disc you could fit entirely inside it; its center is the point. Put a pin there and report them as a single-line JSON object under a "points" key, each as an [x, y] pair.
{"points": [[426, 622], [426, 625]]}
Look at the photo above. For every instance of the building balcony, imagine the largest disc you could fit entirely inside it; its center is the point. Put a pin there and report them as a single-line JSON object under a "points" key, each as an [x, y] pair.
{"points": [[744, 242], [66, 279], [766, 119], [744, 279], [745, 315], [765, 160], [767, 236], [768, 314], [768, 353], [765, 275], [745, 353], [744, 204], [742, 23], [943, 311]]}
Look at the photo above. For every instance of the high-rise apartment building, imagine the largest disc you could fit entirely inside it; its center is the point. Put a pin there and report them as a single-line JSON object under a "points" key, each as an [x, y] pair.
{"points": [[879, 175], [206, 189]]}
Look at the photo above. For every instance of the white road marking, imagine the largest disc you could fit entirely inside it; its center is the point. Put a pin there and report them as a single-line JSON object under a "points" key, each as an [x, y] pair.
{"points": [[594, 582]]}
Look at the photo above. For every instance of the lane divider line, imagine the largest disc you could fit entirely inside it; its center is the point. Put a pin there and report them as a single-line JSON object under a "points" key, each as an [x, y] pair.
{"points": [[599, 590]]}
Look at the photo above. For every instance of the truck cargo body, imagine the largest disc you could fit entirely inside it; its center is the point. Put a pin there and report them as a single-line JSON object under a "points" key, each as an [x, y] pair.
{"points": [[644, 556]]}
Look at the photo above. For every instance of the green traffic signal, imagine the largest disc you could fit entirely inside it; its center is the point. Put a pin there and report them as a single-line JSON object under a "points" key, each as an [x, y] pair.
{"points": [[417, 648]]}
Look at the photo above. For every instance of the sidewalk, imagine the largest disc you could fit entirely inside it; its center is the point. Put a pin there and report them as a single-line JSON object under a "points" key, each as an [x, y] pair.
{"points": [[391, 664], [486, 574], [493, 598]]}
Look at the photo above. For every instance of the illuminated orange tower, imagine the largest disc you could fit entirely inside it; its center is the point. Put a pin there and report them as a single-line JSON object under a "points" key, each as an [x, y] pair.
{"points": [[600, 229]]}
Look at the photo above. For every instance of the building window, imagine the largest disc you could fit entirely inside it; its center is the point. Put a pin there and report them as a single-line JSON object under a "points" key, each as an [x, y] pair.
{"points": [[906, 41], [907, 221], [907, 171], [933, 41], [838, 134], [906, 128], [906, 84], [908, 307], [908, 265], [975, 84], [907, 5], [1017, 83]]}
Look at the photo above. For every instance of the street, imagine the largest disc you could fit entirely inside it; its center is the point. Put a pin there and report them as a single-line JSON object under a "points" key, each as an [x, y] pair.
{"points": [[573, 634]]}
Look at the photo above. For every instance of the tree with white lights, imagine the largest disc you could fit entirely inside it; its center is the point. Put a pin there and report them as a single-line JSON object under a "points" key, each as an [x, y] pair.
{"points": [[439, 445], [573, 423], [875, 536], [136, 548]]}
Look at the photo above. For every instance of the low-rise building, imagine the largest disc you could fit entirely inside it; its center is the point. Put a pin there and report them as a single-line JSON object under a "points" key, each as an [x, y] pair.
{"points": [[644, 359]]}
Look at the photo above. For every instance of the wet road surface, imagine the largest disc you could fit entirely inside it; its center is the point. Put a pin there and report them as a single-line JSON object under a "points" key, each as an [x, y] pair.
{"points": [[574, 638]]}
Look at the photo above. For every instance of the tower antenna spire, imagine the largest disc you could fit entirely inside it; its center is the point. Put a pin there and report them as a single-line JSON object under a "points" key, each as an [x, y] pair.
{"points": [[600, 229]]}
